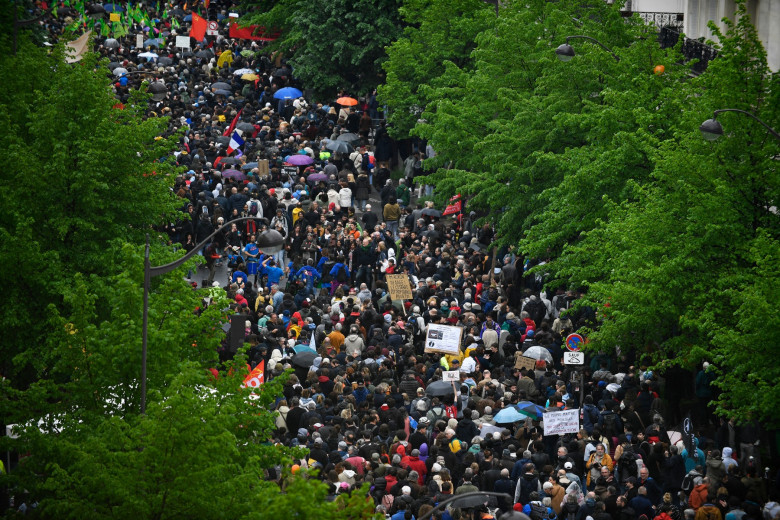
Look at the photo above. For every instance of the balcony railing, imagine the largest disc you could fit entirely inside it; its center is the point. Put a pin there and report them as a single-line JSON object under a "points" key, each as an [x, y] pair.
{"points": [[660, 20], [691, 49]]}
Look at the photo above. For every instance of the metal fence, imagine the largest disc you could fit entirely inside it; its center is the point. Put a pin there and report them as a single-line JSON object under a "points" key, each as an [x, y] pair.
{"points": [[660, 20], [691, 49]]}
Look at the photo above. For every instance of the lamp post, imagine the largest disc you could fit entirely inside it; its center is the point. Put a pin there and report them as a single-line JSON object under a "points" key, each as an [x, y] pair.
{"points": [[711, 129], [269, 241], [565, 51]]}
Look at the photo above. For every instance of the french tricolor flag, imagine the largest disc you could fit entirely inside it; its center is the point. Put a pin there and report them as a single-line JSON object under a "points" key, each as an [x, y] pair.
{"points": [[235, 142]]}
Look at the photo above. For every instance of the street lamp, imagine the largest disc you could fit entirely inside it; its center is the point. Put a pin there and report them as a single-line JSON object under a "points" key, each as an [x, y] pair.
{"points": [[711, 129], [269, 241], [565, 51]]}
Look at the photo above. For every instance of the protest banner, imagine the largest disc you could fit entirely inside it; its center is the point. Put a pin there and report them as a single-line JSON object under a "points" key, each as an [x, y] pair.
{"points": [[443, 338], [399, 287], [559, 423]]}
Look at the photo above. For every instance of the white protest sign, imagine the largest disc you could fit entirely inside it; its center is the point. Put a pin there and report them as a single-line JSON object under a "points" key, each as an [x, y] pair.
{"points": [[139, 41], [559, 423], [451, 375], [183, 42], [443, 338], [573, 358]]}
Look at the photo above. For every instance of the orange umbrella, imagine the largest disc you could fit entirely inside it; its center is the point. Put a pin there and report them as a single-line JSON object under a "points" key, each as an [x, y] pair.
{"points": [[347, 101]]}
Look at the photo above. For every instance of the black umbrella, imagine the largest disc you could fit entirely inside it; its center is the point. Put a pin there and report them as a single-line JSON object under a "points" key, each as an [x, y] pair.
{"points": [[339, 146], [223, 139], [165, 60], [158, 90], [187, 54], [113, 65], [430, 212], [474, 500], [222, 92], [270, 241], [304, 359], [205, 53], [246, 127], [348, 137], [177, 12], [221, 85], [440, 388], [229, 160]]}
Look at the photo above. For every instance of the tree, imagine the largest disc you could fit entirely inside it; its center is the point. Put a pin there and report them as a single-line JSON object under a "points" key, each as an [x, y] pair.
{"points": [[333, 45], [689, 266], [437, 32]]}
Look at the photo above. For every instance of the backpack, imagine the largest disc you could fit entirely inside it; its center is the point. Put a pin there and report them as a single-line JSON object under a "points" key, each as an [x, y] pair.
{"points": [[536, 311], [538, 511], [437, 413], [341, 275], [451, 411], [627, 464], [561, 304], [610, 425], [687, 481]]}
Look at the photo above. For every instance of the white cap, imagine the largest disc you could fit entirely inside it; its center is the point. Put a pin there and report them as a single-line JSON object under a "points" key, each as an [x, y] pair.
{"points": [[568, 465]]}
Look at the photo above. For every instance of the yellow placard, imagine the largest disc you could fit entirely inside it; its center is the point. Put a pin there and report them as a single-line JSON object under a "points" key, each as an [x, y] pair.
{"points": [[114, 17], [399, 286]]}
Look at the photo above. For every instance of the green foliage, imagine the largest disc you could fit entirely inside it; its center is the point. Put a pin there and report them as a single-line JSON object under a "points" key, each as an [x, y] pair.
{"points": [[437, 32], [332, 45]]}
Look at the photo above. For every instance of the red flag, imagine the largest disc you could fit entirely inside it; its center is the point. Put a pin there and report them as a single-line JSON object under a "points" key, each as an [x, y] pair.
{"points": [[206, 3], [451, 209], [199, 26], [233, 124], [248, 33], [256, 377]]}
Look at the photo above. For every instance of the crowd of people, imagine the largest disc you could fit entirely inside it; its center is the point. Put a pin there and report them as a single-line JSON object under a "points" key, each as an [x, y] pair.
{"points": [[359, 396]]}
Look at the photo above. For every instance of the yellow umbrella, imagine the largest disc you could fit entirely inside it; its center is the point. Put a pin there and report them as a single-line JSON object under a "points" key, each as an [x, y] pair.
{"points": [[225, 58], [250, 77]]}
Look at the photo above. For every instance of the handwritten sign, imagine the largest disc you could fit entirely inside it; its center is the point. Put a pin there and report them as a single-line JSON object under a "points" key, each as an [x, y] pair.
{"points": [[443, 338], [451, 375], [399, 287], [560, 423], [522, 362]]}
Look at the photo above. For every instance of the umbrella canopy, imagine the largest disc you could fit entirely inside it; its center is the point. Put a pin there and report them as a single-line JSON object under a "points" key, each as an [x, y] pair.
{"points": [[228, 160], [304, 359], [148, 55], [348, 137], [165, 60], [347, 101], [187, 18], [241, 72], [270, 241], [221, 85], [234, 174], [223, 139], [226, 58], [430, 212], [529, 409], [113, 8], [472, 501], [205, 54], [287, 93], [223, 92], [119, 71], [249, 166], [508, 415], [247, 53], [246, 127], [158, 90], [111, 43], [177, 12], [299, 160], [250, 77], [538, 353], [613, 387], [439, 389], [314, 178], [340, 147], [152, 42], [303, 348], [114, 64]]}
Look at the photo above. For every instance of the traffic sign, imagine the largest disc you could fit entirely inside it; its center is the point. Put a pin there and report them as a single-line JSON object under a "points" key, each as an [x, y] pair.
{"points": [[573, 358], [574, 342]]}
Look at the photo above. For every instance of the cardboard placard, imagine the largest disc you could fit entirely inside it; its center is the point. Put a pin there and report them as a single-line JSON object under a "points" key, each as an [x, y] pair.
{"points": [[399, 286], [560, 423], [139, 41], [262, 168], [443, 338], [450, 375], [183, 42], [522, 362]]}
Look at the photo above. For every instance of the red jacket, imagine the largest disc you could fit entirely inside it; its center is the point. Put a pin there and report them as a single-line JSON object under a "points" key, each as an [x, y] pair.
{"points": [[414, 463]]}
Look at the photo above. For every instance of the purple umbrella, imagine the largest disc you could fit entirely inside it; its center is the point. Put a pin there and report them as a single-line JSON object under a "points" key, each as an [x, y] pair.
{"points": [[299, 160], [314, 178], [234, 174]]}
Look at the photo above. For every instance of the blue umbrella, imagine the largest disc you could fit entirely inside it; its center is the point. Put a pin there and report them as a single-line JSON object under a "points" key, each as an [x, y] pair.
{"points": [[152, 42], [113, 8], [508, 415], [288, 93], [249, 166], [529, 409], [188, 18], [303, 348]]}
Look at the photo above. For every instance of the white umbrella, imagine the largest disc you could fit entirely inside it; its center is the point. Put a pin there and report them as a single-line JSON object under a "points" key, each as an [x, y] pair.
{"points": [[119, 71], [149, 55], [538, 353], [613, 387], [241, 72]]}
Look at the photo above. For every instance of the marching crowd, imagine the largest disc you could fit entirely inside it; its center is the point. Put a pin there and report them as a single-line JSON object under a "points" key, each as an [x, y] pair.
{"points": [[369, 402]]}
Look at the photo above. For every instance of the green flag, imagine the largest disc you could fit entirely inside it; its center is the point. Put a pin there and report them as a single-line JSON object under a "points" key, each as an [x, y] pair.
{"points": [[104, 29]]}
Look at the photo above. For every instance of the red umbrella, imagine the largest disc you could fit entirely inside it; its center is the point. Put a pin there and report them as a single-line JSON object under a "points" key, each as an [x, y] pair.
{"points": [[347, 101]]}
